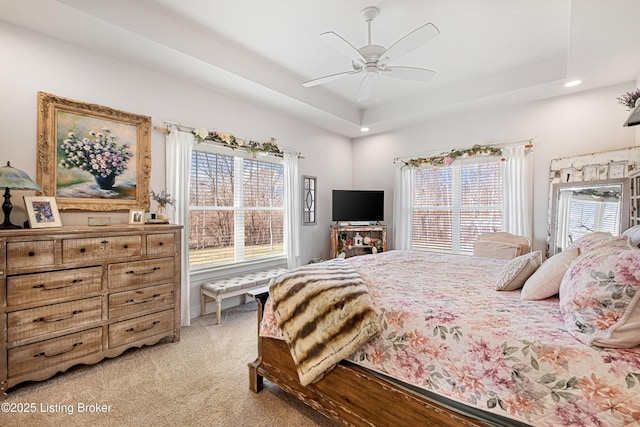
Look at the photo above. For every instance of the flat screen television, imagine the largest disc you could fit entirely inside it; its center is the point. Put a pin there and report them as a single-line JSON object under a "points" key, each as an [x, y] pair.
{"points": [[357, 205]]}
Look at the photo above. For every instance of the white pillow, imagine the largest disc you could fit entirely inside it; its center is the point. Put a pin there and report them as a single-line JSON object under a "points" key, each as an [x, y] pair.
{"points": [[634, 236], [518, 270], [545, 281], [495, 250]]}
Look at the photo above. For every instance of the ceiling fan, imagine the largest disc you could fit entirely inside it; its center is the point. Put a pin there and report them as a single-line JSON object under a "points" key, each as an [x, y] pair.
{"points": [[373, 60]]}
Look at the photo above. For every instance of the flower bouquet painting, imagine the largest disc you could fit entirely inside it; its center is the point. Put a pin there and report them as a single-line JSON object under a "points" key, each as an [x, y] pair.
{"points": [[93, 157], [93, 154]]}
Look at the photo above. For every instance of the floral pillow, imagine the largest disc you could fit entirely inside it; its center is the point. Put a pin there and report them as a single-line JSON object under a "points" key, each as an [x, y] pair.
{"points": [[518, 270], [599, 297], [595, 240]]}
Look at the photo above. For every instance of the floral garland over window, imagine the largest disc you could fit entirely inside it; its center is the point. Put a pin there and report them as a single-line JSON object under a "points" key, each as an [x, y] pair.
{"points": [[228, 140], [446, 159]]}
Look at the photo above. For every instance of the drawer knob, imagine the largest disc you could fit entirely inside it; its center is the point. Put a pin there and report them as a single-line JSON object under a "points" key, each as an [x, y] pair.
{"points": [[31, 253], [126, 246], [59, 319], [161, 243], [83, 250], [133, 301], [43, 354], [104, 242], [143, 329]]}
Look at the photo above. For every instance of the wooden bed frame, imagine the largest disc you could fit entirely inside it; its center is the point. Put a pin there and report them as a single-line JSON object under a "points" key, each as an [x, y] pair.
{"points": [[349, 395]]}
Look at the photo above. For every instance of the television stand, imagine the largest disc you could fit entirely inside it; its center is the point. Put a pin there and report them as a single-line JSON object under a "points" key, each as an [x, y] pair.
{"points": [[343, 239]]}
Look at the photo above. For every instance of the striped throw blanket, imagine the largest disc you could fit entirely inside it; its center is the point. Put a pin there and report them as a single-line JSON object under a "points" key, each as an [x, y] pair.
{"points": [[325, 313]]}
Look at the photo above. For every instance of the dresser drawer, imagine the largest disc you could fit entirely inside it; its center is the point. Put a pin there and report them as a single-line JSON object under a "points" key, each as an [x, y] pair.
{"points": [[138, 273], [129, 331], [159, 244], [139, 300], [101, 249], [39, 253], [54, 284], [41, 355], [53, 318]]}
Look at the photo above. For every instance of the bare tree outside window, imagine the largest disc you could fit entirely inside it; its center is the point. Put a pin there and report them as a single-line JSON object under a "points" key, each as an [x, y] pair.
{"points": [[236, 209]]}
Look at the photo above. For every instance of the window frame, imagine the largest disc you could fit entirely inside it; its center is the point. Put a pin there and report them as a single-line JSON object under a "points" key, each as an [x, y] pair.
{"points": [[236, 266], [456, 207]]}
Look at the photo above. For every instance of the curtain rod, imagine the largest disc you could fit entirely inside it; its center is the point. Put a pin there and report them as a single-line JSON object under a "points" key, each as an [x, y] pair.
{"points": [[528, 143], [183, 128]]}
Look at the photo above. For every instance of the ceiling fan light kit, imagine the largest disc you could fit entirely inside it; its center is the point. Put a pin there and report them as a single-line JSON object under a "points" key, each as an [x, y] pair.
{"points": [[373, 60]]}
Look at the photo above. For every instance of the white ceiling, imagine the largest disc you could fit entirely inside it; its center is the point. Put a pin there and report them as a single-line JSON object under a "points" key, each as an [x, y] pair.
{"points": [[490, 53]]}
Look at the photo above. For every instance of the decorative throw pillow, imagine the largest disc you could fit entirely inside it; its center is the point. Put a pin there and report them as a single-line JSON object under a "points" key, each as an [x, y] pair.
{"points": [[599, 297], [545, 281], [518, 270], [633, 234]]}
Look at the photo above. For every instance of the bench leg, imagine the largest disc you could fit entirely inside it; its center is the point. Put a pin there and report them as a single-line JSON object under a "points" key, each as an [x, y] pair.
{"points": [[218, 310], [203, 304]]}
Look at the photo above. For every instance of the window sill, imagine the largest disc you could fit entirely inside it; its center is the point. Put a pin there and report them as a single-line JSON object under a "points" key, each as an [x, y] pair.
{"points": [[231, 269]]}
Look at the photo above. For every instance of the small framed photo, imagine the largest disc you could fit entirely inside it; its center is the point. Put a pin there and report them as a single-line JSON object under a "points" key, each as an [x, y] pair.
{"points": [[136, 216], [42, 211], [617, 170], [590, 173], [603, 171]]}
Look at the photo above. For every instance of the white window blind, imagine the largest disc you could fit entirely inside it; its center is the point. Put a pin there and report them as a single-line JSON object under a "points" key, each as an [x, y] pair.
{"points": [[236, 209], [454, 204], [587, 216]]}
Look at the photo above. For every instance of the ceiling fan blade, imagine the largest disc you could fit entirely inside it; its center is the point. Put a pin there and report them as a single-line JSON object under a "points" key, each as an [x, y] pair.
{"points": [[409, 73], [411, 41], [364, 91], [330, 77], [342, 46]]}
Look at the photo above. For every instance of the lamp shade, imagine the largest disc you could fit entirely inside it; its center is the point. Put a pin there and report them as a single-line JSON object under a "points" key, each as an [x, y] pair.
{"points": [[16, 179]]}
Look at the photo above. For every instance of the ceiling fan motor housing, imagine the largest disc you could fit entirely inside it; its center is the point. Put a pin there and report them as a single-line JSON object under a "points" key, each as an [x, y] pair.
{"points": [[371, 53]]}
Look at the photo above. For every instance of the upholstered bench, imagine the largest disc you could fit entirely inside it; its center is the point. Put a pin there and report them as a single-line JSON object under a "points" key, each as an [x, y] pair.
{"points": [[234, 286]]}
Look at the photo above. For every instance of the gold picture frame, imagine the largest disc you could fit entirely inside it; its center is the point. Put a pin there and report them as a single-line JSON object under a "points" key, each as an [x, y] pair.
{"points": [[92, 157], [42, 212]]}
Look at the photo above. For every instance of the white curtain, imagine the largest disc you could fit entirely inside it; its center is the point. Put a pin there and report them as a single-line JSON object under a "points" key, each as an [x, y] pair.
{"points": [[402, 207], [179, 146], [292, 209], [563, 239], [517, 209]]}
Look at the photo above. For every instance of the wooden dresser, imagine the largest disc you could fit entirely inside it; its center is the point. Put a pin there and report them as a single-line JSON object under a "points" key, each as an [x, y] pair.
{"points": [[75, 295]]}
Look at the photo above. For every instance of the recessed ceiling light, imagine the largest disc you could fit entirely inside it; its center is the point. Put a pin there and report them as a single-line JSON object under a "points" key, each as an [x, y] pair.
{"points": [[572, 83], [364, 129]]}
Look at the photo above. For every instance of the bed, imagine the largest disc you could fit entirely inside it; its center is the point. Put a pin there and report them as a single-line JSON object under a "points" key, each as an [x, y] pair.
{"points": [[453, 350]]}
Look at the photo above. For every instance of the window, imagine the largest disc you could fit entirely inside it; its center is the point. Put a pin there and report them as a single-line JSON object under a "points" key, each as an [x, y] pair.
{"points": [[453, 204], [236, 209], [593, 212], [309, 200]]}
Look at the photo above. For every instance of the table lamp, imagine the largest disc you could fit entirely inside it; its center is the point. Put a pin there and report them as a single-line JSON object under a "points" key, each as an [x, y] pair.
{"points": [[12, 178]]}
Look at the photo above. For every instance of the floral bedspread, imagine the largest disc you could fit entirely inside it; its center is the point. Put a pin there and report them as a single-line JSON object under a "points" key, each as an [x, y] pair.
{"points": [[446, 329]]}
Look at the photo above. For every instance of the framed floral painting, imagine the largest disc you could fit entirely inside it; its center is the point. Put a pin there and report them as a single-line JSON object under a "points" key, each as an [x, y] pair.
{"points": [[42, 212], [91, 157]]}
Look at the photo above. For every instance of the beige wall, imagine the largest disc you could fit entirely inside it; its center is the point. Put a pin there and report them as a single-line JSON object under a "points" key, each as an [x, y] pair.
{"points": [[32, 63], [580, 123]]}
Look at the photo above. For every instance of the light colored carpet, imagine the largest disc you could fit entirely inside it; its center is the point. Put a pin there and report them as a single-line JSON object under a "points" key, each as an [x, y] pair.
{"points": [[200, 381]]}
